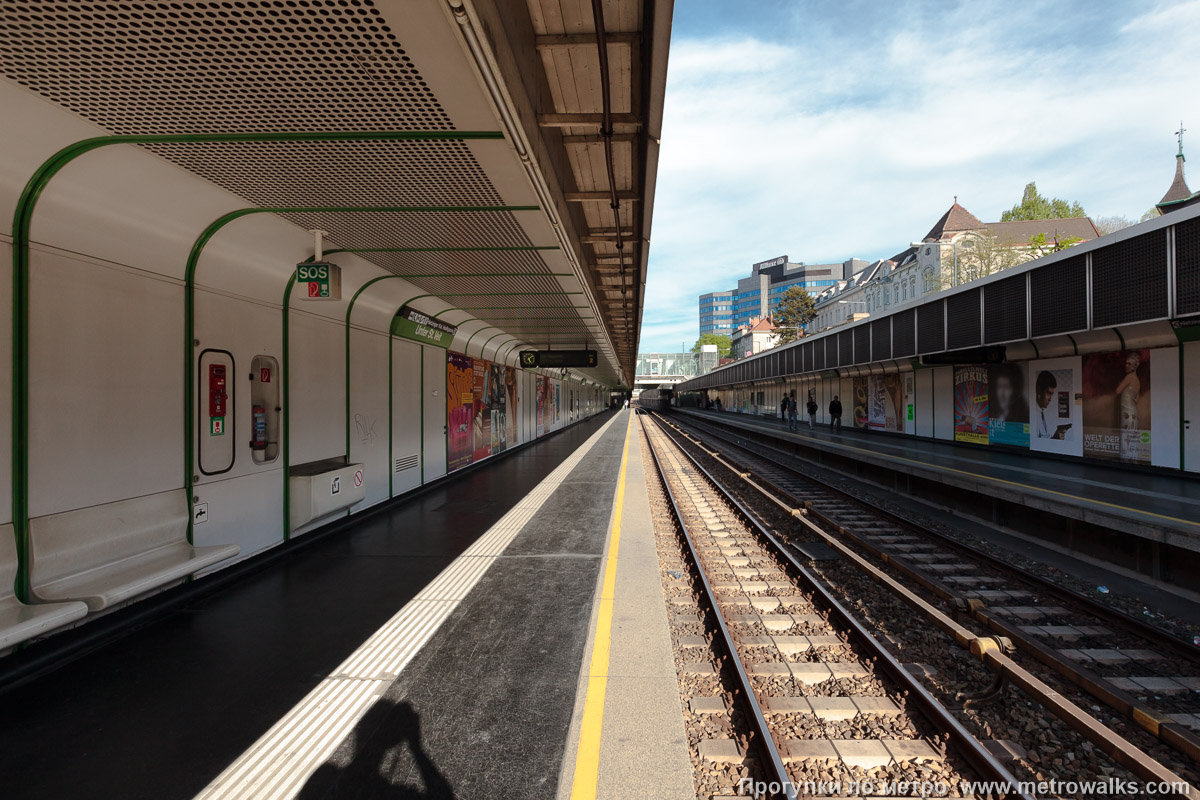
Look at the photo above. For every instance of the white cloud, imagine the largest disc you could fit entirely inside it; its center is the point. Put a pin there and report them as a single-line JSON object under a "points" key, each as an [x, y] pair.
{"points": [[824, 151]]}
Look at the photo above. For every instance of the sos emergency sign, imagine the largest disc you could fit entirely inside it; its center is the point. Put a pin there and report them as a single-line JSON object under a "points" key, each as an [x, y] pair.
{"points": [[319, 280]]}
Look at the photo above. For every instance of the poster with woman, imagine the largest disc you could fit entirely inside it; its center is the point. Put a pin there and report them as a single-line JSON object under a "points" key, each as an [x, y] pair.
{"points": [[1008, 410], [971, 404], [1116, 406], [1055, 406], [460, 410]]}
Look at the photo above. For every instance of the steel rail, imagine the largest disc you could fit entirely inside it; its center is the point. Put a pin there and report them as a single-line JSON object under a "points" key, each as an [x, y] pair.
{"points": [[774, 761], [970, 748], [1149, 719], [985, 649]]}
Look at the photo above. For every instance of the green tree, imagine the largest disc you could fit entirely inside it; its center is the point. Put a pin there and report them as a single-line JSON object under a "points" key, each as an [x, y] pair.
{"points": [[1152, 213], [1035, 206], [795, 308], [1038, 246], [979, 255], [722, 342]]}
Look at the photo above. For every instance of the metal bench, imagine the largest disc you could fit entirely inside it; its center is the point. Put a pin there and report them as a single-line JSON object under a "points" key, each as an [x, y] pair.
{"points": [[109, 553], [18, 621]]}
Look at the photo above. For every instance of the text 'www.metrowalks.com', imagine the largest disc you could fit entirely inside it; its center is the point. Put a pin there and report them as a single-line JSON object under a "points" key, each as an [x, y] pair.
{"points": [[1111, 787]]}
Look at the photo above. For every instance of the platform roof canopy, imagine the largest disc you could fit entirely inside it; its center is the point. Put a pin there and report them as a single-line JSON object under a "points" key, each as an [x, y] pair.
{"points": [[529, 70]]}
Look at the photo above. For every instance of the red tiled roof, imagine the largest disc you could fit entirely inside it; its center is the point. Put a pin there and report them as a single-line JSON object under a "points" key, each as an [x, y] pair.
{"points": [[956, 220]]}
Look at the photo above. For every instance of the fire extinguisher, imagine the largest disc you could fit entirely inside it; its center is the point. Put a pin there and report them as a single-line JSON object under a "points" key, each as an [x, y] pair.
{"points": [[259, 427]]}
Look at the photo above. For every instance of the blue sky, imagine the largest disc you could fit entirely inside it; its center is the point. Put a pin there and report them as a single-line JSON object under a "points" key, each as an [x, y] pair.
{"points": [[828, 130]]}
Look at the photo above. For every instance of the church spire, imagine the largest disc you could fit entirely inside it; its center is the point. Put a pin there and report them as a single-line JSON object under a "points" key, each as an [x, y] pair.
{"points": [[1179, 190]]}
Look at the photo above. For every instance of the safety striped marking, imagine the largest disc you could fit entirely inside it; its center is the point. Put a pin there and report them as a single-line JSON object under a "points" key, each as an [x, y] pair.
{"points": [[587, 757], [281, 761]]}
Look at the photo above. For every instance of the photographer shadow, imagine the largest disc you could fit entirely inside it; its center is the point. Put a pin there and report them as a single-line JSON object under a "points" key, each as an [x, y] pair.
{"points": [[386, 745]]}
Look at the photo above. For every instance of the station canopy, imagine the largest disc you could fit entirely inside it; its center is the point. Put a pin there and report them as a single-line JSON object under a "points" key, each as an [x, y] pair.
{"points": [[527, 72]]}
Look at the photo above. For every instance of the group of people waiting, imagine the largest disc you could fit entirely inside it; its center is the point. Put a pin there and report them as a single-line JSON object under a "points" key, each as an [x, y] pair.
{"points": [[788, 412]]}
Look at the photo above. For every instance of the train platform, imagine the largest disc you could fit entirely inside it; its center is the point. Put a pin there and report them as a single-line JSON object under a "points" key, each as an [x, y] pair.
{"points": [[1059, 500], [499, 635]]}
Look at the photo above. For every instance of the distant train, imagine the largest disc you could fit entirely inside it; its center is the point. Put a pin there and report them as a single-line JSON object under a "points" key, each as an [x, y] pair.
{"points": [[656, 399]]}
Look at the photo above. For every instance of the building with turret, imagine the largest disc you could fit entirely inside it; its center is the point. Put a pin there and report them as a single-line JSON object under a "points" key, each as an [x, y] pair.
{"points": [[1179, 195]]}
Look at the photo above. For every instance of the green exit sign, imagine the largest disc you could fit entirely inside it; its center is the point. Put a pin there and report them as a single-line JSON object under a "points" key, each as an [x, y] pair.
{"points": [[319, 280]]}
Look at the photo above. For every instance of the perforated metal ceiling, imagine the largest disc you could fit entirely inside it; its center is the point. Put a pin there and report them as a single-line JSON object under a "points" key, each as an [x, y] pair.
{"points": [[258, 66], [191, 67]]}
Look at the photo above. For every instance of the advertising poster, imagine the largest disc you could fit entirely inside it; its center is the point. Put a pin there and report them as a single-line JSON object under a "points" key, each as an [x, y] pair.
{"points": [[540, 391], [1008, 410], [512, 406], [460, 409], [1055, 406], [860, 401], [481, 425], [1116, 406], [971, 404], [497, 402], [557, 402], [876, 404]]}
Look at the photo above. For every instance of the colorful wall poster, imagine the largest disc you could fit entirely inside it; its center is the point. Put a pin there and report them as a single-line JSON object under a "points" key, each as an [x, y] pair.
{"points": [[512, 406], [971, 404], [885, 402], [557, 402], [859, 387], [496, 398], [481, 425], [460, 410], [1116, 406], [541, 403], [1055, 406], [1008, 410]]}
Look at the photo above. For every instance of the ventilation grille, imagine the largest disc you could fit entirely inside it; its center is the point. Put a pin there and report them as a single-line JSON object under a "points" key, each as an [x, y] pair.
{"points": [[881, 339], [1058, 297], [793, 356], [845, 348], [251, 65], [1004, 310], [904, 335], [931, 332], [962, 323], [806, 353], [408, 462], [1129, 281], [862, 344], [819, 353], [1187, 267]]}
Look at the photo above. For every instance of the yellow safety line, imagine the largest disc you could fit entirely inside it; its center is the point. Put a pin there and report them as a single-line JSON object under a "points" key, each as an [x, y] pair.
{"points": [[587, 757], [1018, 484]]}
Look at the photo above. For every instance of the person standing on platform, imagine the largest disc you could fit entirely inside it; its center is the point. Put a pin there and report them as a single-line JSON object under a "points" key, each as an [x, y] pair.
{"points": [[835, 413], [783, 407], [812, 413], [791, 414]]}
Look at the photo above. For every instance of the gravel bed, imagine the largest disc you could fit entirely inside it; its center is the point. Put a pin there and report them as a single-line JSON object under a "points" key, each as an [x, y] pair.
{"points": [[736, 602], [1053, 750]]}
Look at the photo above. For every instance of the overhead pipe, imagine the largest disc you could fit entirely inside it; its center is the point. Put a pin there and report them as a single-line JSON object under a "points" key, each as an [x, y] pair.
{"points": [[606, 132], [516, 135]]}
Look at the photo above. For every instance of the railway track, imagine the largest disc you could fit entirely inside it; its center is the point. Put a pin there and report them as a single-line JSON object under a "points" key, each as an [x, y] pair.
{"points": [[825, 703], [1056, 628]]}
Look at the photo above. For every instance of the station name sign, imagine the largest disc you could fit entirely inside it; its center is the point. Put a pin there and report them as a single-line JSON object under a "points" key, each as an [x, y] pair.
{"points": [[319, 280], [555, 359], [420, 327]]}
